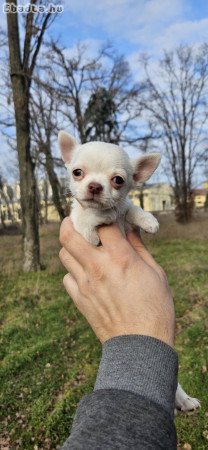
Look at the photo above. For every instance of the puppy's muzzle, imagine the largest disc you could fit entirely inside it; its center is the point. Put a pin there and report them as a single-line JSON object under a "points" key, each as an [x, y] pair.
{"points": [[95, 188]]}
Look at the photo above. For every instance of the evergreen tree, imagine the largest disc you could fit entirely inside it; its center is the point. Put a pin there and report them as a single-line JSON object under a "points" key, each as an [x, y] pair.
{"points": [[100, 118]]}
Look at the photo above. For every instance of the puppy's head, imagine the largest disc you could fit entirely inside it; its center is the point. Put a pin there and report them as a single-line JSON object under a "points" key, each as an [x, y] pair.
{"points": [[101, 174]]}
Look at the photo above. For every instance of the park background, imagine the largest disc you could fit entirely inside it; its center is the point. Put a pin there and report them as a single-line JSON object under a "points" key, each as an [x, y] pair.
{"points": [[134, 73]]}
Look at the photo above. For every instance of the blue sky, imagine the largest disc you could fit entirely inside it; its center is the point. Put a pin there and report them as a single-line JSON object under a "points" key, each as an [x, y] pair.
{"points": [[133, 26]]}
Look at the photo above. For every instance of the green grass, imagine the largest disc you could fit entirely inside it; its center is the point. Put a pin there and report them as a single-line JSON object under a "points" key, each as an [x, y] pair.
{"points": [[50, 356], [186, 264]]}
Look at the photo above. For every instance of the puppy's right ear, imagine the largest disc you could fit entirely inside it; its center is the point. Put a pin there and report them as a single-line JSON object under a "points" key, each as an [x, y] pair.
{"points": [[67, 144]]}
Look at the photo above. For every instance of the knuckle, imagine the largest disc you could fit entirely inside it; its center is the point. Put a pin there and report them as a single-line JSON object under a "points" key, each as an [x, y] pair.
{"points": [[123, 260], [97, 266], [65, 279], [96, 271], [64, 237], [65, 231], [162, 272], [83, 285], [61, 253]]}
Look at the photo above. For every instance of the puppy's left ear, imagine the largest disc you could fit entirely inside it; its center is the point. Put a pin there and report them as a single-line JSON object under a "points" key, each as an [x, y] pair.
{"points": [[145, 166], [67, 144]]}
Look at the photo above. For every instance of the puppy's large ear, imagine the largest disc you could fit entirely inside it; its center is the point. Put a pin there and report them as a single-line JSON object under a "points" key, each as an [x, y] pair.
{"points": [[145, 166], [67, 144]]}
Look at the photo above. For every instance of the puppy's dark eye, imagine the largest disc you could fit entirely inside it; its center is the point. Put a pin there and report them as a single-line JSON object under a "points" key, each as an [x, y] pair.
{"points": [[77, 173], [118, 180]]}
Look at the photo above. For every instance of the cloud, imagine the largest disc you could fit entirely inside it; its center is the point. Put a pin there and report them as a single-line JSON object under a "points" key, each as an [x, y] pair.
{"points": [[149, 25], [128, 19], [124, 15], [91, 45], [190, 32], [182, 32]]}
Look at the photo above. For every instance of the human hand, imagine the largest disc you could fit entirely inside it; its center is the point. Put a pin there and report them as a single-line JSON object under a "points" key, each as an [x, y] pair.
{"points": [[118, 287]]}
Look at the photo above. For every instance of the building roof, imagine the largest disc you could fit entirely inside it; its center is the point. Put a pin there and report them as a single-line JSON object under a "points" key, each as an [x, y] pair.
{"points": [[200, 191]]}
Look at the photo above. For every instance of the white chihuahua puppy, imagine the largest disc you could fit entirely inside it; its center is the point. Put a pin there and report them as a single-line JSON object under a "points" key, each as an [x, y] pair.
{"points": [[101, 176]]}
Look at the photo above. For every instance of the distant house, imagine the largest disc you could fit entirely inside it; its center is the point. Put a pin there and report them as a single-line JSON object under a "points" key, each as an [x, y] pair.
{"points": [[200, 197], [10, 208], [156, 197]]}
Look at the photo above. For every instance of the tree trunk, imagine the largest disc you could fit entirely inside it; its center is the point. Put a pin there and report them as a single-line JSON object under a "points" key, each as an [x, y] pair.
{"points": [[206, 203], [27, 183], [184, 205], [55, 185], [2, 217], [141, 197], [184, 209], [46, 212], [20, 89], [9, 210], [45, 198], [80, 127]]}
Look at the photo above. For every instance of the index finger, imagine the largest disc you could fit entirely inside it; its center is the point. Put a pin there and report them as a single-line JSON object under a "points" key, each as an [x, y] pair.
{"points": [[76, 244]]}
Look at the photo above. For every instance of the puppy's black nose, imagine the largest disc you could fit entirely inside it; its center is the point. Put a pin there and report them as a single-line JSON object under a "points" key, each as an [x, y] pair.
{"points": [[95, 188]]}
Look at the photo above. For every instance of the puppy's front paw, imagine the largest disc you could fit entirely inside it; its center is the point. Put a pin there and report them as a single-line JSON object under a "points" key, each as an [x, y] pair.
{"points": [[149, 223], [92, 237], [110, 218], [188, 404], [95, 240]]}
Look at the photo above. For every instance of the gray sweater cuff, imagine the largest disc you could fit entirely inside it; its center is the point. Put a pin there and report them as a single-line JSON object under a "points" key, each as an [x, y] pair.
{"points": [[140, 364]]}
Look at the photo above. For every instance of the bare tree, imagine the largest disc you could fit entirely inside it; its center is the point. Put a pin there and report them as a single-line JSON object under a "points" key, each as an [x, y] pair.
{"points": [[10, 196], [23, 60], [44, 131], [45, 198], [6, 192], [74, 80], [175, 101]]}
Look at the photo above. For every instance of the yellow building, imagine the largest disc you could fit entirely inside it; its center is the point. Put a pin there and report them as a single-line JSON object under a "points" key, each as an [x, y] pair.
{"points": [[156, 197], [10, 208], [200, 197]]}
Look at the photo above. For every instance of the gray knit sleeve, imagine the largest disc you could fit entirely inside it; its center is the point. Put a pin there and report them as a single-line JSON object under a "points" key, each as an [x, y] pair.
{"points": [[140, 364], [133, 399]]}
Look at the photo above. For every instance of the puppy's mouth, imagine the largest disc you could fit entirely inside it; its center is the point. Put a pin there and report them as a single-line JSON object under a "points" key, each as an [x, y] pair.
{"points": [[96, 202], [93, 201]]}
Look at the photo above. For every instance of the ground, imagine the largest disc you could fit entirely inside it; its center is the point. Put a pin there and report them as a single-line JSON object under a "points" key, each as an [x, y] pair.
{"points": [[50, 356]]}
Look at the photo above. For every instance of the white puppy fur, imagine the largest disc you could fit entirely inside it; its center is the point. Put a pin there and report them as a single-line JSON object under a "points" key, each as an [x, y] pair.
{"points": [[101, 176]]}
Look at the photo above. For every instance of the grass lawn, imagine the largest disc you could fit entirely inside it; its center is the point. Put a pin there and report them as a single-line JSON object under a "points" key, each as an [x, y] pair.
{"points": [[49, 356]]}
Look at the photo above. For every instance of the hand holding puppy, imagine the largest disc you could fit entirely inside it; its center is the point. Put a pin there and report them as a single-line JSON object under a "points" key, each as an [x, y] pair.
{"points": [[118, 287]]}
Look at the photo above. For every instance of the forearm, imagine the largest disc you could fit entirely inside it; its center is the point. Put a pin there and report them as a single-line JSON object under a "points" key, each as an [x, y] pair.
{"points": [[133, 401]]}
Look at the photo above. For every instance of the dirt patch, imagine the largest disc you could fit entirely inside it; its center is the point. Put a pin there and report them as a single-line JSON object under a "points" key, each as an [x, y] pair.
{"points": [[196, 229], [5, 442]]}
